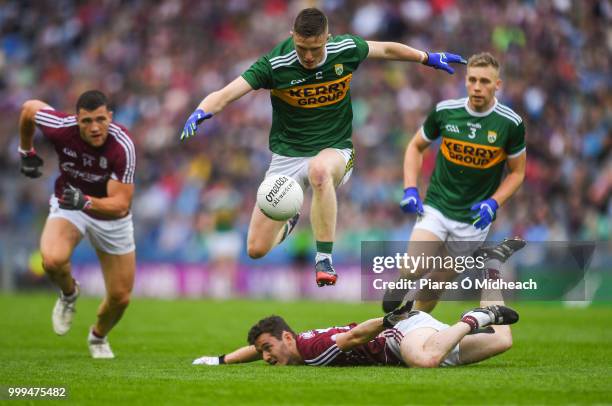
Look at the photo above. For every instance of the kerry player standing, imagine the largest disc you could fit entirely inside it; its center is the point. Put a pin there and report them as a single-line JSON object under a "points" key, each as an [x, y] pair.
{"points": [[309, 77], [480, 138]]}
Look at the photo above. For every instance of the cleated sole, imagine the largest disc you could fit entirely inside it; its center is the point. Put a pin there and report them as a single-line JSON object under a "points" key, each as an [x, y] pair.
{"points": [[324, 279]]}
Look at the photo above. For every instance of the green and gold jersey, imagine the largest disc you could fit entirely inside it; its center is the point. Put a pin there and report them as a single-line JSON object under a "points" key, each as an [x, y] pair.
{"points": [[474, 147], [311, 108]]}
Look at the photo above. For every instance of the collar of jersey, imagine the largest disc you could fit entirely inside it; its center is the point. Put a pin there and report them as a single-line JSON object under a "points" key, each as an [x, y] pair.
{"points": [[320, 63], [476, 113]]}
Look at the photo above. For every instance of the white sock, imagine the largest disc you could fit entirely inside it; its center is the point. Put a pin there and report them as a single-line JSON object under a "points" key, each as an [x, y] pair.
{"points": [[321, 256], [494, 264], [483, 319], [94, 338]]}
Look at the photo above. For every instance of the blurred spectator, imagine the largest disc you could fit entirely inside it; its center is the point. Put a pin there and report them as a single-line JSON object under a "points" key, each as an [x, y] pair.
{"points": [[156, 59]]}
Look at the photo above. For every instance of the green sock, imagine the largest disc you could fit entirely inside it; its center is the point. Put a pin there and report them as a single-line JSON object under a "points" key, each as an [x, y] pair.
{"points": [[325, 247]]}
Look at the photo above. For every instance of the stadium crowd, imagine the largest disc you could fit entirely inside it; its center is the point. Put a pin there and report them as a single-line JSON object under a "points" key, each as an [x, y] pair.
{"points": [[156, 59]]}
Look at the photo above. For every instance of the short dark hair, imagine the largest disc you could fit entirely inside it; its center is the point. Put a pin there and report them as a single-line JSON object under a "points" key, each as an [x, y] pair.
{"points": [[91, 100], [483, 59], [273, 325], [311, 22]]}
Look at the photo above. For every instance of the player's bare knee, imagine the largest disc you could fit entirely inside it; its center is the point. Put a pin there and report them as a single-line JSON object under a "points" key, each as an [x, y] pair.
{"points": [[319, 174], [119, 299], [255, 250], [405, 274], [434, 359], [426, 361], [504, 342], [259, 242], [419, 358], [412, 273], [255, 253], [54, 263], [433, 362]]}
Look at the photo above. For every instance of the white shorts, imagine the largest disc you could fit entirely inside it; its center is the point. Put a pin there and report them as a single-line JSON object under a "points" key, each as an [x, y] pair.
{"points": [[450, 231], [297, 167], [114, 237], [419, 320]]}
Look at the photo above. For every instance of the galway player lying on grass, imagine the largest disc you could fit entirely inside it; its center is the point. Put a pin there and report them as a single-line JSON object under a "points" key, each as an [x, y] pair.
{"points": [[402, 337]]}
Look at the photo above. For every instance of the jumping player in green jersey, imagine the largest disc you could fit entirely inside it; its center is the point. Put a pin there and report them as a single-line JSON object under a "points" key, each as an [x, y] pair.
{"points": [[480, 137], [309, 77]]}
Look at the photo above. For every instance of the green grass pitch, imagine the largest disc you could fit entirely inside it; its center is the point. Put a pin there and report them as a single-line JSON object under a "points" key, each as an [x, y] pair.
{"points": [[560, 356]]}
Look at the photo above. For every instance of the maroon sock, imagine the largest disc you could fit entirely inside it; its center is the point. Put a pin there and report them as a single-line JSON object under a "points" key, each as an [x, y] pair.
{"points": [[73, 289], [492, 274], [470, 321], [95, 333]]}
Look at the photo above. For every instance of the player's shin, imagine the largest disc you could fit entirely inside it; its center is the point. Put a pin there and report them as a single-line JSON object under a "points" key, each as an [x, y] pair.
{"points": [[62, 278], [110, 312], [323, 211], [495, 259], [323, 219]]}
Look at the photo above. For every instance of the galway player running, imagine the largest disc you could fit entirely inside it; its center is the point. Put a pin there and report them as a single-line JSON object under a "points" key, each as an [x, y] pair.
{"points": [[92, 197], [480, 137], [309, 76]]}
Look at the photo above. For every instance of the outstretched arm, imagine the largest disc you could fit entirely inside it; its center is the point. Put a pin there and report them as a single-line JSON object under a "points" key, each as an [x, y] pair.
{"points": [[243, 354], [366, 331], [395, 51], [239, 356], [214, 103], [360, 335]]}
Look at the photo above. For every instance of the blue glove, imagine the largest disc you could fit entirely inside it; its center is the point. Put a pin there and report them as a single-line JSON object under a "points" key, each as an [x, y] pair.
{"points": [[191, 125], [486, 211], [411, 203], [440, 60]]}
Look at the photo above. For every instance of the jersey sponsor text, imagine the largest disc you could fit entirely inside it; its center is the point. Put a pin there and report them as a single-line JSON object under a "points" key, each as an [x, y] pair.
{"points": [[315, 95], [471, 155]]}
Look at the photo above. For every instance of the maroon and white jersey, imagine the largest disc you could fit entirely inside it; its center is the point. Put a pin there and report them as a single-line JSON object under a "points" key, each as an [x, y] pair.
{"points": [[318, 348], [82, 165]]}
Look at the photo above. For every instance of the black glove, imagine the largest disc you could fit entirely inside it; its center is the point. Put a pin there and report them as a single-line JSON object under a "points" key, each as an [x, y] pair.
{"points": [[30, 163], [74, 199], [397, 315]]}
